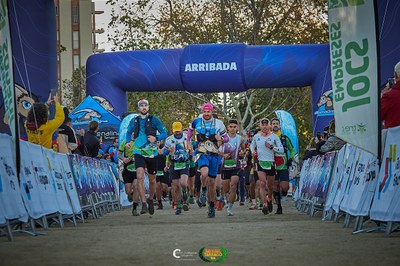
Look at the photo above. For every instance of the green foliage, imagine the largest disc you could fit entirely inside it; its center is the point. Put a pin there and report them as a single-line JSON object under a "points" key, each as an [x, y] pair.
{"points": [[74, 90], [148, 24]]}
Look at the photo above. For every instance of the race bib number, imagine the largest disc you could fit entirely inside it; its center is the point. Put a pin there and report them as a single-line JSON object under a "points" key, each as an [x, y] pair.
{"points": [[230, 163], [266, 165], [179, 165], [160, 173]]}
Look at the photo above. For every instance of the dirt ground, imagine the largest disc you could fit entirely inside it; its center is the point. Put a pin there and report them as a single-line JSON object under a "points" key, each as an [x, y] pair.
{"points": [[250, 238]]}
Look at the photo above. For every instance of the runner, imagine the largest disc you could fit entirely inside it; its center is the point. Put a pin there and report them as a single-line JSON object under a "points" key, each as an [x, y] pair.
{"points": [[145, 127], [264, 145], [162, 177], [231, 166], [282, 163], [209, 130], [176, 146], [129, 174], [192, 173]]}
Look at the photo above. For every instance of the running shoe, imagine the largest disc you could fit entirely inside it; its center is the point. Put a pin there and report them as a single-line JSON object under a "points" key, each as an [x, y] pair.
{"points": [[144, 209], [151, 206], [135, 212], [229, 211], [203, 198], [265, 210], [130, 195], [241, 203], [269, 204], [178, 211], [279, 210], [199, 203], [191, 200], [211, 212], [160, 206], [185, 207]]}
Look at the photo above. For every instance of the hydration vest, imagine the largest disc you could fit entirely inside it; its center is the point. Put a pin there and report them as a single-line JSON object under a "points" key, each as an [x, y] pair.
{"points": [[202, 132], [150, 130]]}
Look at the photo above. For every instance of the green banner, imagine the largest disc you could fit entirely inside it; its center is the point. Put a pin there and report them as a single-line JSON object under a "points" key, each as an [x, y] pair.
{"points": [[6, 69], [354, 70]]}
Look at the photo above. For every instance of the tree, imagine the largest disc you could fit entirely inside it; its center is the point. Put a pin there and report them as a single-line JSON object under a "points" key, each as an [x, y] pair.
{"points": [[182, 22], [74, 90]]}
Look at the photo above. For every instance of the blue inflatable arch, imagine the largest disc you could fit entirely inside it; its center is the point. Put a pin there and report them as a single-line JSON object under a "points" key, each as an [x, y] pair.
{"points": [[210, 68], [195, 68]]}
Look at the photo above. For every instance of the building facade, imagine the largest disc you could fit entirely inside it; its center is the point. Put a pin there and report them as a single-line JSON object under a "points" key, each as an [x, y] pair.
{"points": [[76, 37]]}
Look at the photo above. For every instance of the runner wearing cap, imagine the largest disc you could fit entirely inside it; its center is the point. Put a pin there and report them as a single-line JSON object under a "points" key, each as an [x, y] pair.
{"points": [[176, 147], [145, 127], [264, 145], [209, 131]]}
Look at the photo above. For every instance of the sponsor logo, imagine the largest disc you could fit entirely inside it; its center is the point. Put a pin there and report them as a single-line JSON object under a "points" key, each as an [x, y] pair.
{"points": [[183, 255], [354, 129], [213, 254]]}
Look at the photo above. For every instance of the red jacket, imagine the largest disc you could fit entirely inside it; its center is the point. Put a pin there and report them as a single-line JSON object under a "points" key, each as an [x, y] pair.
{"points": [[390, 106]]}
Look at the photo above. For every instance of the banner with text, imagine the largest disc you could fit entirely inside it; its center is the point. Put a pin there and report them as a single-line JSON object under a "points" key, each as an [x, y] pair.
{"points": [[354, 72], [6, 73]]}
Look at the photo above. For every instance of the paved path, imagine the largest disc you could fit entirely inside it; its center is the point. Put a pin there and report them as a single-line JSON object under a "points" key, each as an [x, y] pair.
{"points": [[249, 237]]}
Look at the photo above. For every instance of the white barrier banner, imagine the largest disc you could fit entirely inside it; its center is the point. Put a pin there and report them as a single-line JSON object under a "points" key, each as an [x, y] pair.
{"points": [[10, 194], [62, 159], [30, 184], [359, 183], [336, 175], [57, 178], [344, 177], [386, 203], [42, 174]]}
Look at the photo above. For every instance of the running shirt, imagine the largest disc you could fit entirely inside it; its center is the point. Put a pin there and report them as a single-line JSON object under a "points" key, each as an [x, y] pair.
{"points": [[180, 153], [206, 131], [128, 153], [142, 145], [264, 153], [232, 147]]}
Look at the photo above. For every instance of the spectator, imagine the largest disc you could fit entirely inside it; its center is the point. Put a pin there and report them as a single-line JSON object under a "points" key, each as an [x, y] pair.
{"points": [[322, 139], [113, 150], [333, 143], [311, 149], [91, 143], [67, 141], [390, 98], [38, 126]]}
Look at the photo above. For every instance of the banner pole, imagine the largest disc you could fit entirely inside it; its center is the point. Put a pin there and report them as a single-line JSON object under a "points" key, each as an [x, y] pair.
{"points": [[378, 68]]}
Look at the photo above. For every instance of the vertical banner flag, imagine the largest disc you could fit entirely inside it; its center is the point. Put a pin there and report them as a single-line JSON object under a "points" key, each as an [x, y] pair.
{"points": [[354, 72], [6, 74]]}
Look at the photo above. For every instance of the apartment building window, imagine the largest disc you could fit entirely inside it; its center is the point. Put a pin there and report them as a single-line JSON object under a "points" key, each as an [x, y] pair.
{"points": [[76, 62], [75, 39], [75, 15]]}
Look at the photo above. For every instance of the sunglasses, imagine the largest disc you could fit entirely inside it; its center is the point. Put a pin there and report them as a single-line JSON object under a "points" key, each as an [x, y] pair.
{"points": [[265, 121], [143, 105]]}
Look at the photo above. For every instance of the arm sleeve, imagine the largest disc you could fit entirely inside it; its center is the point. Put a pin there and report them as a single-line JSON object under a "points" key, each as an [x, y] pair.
{"points": [[129, 130], [161, 129], [278, 147], [59, 117]]}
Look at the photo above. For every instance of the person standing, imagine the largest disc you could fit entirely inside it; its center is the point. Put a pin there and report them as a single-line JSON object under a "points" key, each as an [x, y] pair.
{"points": [[91, 144], [209, 131], [264, 145], [145, 127]]}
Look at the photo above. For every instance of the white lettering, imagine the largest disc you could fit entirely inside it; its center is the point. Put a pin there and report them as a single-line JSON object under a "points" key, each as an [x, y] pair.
{"points": [[224, 66]]}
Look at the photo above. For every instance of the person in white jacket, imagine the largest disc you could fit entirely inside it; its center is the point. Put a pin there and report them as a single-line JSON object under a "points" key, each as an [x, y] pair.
{"points": [[263, 147]]}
